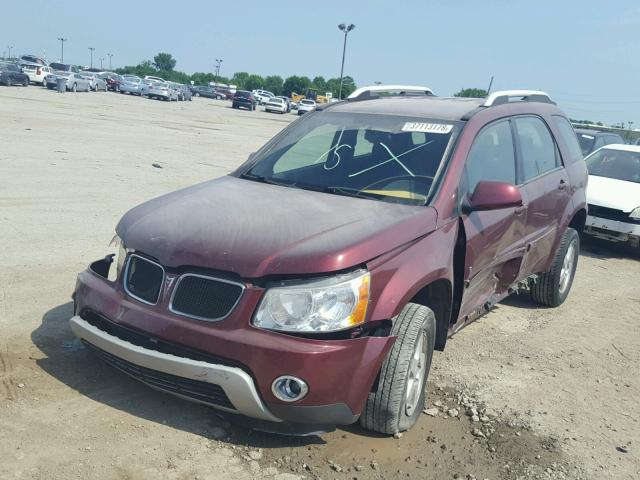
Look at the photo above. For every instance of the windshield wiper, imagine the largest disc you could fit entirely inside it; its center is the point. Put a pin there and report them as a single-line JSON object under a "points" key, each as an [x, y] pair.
{"points": [[262, 179], [350, 192]]}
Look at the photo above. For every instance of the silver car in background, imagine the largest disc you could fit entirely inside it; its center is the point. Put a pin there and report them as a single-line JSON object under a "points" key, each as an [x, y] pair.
{"points": [[74, 82], [133, 85], [162, 91], [95, 82]]}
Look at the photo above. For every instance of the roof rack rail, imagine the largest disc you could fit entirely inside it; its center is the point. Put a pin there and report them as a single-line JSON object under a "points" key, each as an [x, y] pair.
{"points": [[501, 97], [365, 93]]}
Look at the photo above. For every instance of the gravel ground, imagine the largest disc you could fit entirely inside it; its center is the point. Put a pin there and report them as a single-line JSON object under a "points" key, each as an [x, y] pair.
{"points": [[523, 393]]}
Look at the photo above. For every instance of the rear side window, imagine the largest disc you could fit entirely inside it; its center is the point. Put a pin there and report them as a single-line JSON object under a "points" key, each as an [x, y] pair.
{"points": [[537, 147], [569, 138], [492, 156]]}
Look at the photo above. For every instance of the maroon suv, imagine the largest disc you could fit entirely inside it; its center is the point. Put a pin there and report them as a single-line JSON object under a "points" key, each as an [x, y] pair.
{"points": [[313, 284]]}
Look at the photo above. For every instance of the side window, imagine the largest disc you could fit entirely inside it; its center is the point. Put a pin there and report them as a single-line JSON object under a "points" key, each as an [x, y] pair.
{"points": [[537, 147], [492, 156], [569, 139]]}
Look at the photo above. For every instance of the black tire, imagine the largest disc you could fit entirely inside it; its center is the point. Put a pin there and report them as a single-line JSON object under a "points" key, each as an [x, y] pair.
{"points": [[386, 409], [551, 289], [25, 83], [74, 88]]}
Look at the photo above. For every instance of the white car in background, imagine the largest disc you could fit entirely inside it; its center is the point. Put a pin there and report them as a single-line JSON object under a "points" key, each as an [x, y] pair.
{"points": [[613, 193], [305, 105], [37, 73], [275, 104], [262, 96]]}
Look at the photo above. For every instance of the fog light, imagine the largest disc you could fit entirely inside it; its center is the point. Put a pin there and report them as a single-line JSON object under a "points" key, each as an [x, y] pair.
{"points": [[289, 389]]}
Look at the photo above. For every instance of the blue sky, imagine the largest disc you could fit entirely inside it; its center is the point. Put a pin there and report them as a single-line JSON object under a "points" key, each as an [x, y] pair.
{"points": [[584, 53]]}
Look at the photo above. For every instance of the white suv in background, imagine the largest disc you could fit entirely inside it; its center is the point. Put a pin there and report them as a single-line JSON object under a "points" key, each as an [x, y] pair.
{"points": [[36, 72]]}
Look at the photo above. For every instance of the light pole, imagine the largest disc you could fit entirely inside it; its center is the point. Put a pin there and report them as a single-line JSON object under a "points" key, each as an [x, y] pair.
{"points": [[346, 29], [9, 47], [101, 60], [62, 40], [91, 49], [110, 55], [218, 63]]}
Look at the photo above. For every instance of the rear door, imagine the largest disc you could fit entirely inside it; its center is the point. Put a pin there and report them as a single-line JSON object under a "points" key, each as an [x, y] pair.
{"points": [[494, 247], [545, 189]]}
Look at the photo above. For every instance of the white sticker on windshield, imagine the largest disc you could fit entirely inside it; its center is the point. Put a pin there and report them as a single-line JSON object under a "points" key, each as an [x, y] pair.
{"points": [[588, 136], [427, 127]]}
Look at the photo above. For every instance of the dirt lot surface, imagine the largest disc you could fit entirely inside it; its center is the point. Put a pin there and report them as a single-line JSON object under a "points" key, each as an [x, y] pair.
{"points": [[522, 393]]}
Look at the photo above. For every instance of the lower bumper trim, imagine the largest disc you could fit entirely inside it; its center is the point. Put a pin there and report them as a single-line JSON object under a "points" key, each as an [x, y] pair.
{"points": [[236, 383]]}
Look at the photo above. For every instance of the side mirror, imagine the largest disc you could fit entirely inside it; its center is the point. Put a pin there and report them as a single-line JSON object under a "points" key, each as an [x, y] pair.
{"points": [[494, 196]]}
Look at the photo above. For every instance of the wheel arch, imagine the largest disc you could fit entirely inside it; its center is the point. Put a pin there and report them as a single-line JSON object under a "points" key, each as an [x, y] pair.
{"points": [[438, 296], [579, 220]]}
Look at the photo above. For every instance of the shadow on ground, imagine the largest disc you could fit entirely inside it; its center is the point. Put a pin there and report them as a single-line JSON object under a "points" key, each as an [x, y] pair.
{"points": [[602, 249]]}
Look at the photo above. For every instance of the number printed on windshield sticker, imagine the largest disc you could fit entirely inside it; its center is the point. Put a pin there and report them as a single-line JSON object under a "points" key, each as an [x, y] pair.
{"points": [[427, 127]]}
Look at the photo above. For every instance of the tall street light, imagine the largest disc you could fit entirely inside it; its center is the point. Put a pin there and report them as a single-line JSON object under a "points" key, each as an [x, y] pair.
{"points": [[62, 40], [9, 47], [91, 49], [218, 63], [101, 60], [346, 29], [110, 55]]}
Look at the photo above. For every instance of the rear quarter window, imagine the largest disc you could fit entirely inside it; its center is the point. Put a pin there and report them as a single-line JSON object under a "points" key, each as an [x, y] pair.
{"points": [[573, 151]]}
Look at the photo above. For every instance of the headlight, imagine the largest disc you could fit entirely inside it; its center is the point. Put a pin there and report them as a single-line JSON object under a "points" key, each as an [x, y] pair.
{"points": [[635, 213], [121, 256], [328, 305]]}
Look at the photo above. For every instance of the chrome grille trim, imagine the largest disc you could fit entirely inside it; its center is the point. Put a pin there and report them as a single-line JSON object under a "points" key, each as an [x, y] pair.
{"points": [[125, 278]]}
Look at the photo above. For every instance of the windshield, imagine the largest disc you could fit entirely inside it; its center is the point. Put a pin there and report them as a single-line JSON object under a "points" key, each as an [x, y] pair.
{"points": [[618, 164], [391, 158]]}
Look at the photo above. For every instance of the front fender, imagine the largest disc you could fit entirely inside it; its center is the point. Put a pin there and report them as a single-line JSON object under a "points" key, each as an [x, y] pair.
{"points": [[399, 275]]}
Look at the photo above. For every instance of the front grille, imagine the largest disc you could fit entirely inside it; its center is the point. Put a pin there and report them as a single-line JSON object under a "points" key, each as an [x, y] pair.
{"points": [[205, 298], [200, 391], [143, 279], [611, 214]]}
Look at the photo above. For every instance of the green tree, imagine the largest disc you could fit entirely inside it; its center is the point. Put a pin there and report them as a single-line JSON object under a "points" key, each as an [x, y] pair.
{"points": [[320, 84], [296, 84], [471, 92], [164, 62], [274, 83], [348, 86], [253, 81], [239, 79]]}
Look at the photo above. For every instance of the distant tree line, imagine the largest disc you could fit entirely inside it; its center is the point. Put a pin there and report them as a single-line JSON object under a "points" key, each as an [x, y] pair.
{"points": [[588, 122], [163, 65]]}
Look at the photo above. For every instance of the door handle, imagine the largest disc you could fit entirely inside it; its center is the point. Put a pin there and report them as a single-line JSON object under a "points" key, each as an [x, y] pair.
{"points": [[562, 185]]}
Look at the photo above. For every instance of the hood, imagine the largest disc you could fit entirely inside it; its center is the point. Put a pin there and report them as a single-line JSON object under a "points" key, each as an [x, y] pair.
{"points": [[613, 193], [256, 229]]}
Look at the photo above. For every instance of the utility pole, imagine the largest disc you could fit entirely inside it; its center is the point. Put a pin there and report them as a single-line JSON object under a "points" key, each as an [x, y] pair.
{"points": [[101, 59], [9, 47], [62, 40], [91, 49], [218, 63], [110, 55], [346, 29]]}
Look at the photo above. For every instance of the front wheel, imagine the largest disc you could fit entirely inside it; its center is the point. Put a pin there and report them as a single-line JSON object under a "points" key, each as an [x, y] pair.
{"points": [[552, 288], [397, 402], [74, 88]]}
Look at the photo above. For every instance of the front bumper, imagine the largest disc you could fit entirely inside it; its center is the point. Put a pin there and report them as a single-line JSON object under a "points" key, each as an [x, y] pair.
{"points": [[612, 229], [339, 373]]}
